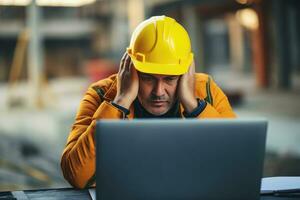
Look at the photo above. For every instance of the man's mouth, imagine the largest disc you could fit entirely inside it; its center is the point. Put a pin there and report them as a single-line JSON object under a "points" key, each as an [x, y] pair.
{"points": [[158, 103]]}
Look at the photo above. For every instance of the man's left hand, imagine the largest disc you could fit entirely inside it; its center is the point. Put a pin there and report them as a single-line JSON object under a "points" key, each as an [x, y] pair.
{"points": [[186, 89]]}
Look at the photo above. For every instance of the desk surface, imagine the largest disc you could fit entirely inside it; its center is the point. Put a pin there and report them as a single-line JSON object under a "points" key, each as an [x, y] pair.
{"points": [[74, 194]]}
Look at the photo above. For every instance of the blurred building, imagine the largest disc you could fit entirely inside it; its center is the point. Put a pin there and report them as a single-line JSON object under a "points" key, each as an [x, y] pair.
{"points": [[260, 36], [52, 50]]}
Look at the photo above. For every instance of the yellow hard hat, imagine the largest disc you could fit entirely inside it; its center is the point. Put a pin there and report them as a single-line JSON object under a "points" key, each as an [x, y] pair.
{"points": [[160, 45]]}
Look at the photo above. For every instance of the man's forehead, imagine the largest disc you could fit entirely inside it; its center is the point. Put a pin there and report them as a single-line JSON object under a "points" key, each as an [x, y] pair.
{"points": [[157, 75]]}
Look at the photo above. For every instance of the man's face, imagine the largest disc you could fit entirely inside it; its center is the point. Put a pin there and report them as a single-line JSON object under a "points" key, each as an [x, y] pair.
{"points": [[157, 93]]}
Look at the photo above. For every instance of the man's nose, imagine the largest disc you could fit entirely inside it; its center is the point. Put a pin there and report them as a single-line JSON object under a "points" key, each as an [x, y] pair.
{"points": [[158, 89]]}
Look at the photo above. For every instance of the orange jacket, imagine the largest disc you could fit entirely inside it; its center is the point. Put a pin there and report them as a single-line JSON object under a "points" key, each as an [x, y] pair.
{"points": [[78, 158]]}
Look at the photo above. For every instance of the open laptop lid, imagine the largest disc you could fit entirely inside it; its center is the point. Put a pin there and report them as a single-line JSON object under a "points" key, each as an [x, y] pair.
{"points": [[180, 159]]}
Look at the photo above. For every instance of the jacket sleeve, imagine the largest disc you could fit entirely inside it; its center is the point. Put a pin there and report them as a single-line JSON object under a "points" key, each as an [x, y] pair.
{"points": [[219, 107], [78, 158]]}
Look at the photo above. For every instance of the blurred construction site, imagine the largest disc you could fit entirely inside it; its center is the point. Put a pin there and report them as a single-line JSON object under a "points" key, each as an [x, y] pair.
{"points": [[51, 51]]}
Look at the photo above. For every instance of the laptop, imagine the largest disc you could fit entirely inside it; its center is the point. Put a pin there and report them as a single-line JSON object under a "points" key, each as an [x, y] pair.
{"points": [[218, 159]]}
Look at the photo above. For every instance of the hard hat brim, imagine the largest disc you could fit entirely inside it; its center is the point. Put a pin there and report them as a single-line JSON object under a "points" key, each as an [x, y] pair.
{"points": [[167, 69]]}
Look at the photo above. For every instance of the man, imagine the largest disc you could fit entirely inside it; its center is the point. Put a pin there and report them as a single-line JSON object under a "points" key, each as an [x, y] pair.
{"points": [[156, 79]]}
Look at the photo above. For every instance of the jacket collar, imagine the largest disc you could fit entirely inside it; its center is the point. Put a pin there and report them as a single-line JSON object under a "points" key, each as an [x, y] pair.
{"points": [[112, 90]]}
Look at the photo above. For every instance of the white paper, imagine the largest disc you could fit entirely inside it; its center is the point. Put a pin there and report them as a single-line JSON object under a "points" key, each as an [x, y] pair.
{"points": [[92, 192], [280, 183]]}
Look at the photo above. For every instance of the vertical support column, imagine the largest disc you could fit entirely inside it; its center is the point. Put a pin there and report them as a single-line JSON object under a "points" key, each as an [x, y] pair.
{"points": [[297, 35], [294, 16], [119, 29], [260, 53], [236, 44], [191, 23], [283, 47], [35, 54], [136, 13]]}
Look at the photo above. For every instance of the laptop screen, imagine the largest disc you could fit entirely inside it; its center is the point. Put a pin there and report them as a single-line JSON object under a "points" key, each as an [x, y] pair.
{"points": [[180, 159]]}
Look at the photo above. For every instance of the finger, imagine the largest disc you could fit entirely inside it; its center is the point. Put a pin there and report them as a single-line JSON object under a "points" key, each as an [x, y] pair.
{"points": [[122, 63], [192, 67], [127, 63], [123, 57], [193, 64]]}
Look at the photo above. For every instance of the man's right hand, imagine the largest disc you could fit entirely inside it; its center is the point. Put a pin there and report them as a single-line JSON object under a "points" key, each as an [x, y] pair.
{"points": [[127, 83]]}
